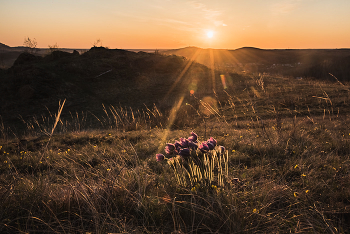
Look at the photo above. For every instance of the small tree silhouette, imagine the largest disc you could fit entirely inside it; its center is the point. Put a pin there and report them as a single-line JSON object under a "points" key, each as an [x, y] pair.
{"points": [[30, 44], [98, 41], [53, 47]]}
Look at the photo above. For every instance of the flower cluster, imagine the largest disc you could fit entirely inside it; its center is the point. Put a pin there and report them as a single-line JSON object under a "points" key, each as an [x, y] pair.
{"points": [[184, 147]]}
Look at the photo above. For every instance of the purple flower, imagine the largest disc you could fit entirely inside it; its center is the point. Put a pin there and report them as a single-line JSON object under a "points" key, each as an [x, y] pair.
{"points": [[203, 147], [193, 137], [210, 145], [177, 144], [185, 152], [222, 149], [184, 142], [160, 157], [212, 141], [169, 148], [192, 145]]}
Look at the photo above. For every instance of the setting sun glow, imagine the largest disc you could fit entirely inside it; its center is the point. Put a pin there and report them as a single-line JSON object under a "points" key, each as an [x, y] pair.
{"points": [[135, 24], [210, 34]]}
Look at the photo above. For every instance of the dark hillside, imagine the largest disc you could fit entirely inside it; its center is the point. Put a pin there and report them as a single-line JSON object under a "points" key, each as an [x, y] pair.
{"points": [[99, 76]]}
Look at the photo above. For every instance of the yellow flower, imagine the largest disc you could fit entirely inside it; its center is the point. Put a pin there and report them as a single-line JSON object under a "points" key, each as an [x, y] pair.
{"points": [[296, 194], [306, 191], [0, 147], [193, 189], [68, 150], [295, 166], [214, 187], [233, 151], [108, 169], [303, 175], [255, 211]]}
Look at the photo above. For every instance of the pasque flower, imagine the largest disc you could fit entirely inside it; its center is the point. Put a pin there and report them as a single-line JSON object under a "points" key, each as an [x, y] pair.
{"points": [[184, 147], [177, 144], [222, 149], [169, 148], [212, 141], [184, 142], [185, 152], [160, 157], [193, 137], [192, 145], [203, 147], [210, 145]]}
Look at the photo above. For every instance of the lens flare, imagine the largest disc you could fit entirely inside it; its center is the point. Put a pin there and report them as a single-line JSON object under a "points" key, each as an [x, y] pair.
{"points": [[223, 81]]}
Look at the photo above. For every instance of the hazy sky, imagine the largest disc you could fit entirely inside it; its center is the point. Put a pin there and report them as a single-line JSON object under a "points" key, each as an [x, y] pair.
{"points": [[128, 24]]}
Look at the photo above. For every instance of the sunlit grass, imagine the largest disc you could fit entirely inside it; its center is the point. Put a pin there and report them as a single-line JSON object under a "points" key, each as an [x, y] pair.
{"points": [[288, 166]]}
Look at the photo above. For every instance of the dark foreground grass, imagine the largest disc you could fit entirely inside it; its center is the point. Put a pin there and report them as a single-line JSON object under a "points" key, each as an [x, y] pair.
{"points": [[289, 171]]}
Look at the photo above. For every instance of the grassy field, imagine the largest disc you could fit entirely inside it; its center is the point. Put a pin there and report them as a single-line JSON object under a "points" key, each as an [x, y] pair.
{"points": [[288, 166]]}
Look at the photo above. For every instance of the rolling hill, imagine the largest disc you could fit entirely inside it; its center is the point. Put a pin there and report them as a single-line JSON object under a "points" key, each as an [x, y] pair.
{"points": [[317, 63]]}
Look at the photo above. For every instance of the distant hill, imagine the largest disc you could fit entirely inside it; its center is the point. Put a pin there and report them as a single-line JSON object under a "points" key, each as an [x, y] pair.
{"points": [[8, 54], [3, 46], [303, 62]]}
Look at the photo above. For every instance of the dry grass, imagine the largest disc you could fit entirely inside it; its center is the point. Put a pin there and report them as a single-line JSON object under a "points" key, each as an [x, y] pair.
{"points": [[287, 142]]}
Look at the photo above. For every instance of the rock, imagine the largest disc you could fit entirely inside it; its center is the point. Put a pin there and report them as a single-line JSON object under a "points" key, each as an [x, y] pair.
{"points": [[76, 53], [26, 58], [60, 54]]}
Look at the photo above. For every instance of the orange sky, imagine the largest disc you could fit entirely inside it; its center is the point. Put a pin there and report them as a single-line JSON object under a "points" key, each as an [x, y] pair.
{"points": [[166, 24]]}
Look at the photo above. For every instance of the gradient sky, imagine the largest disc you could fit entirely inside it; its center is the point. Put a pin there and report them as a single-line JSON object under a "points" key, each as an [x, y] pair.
{"points": [[165, 24]]}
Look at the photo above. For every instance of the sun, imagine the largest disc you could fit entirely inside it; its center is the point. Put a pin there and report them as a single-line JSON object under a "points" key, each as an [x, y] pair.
{"points": [[210, 34]]}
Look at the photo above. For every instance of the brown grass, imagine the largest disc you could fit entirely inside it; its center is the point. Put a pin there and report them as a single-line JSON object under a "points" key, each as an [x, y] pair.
{"points": [[288, 145]]}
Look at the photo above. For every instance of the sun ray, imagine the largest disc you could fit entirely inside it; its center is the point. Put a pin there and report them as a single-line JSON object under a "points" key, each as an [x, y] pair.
{"points": [[212, 68], [189, 62], [177, 104], [174, 110]]}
